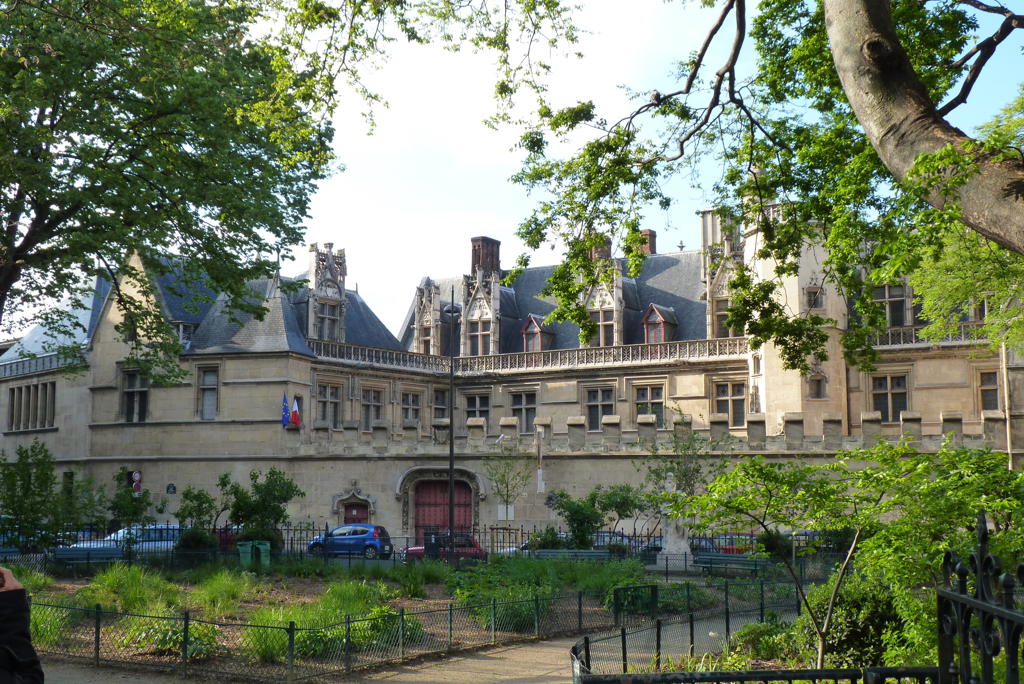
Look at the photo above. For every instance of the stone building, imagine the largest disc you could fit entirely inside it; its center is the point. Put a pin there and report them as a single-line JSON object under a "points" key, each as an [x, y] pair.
{"points": [[373, 439]]}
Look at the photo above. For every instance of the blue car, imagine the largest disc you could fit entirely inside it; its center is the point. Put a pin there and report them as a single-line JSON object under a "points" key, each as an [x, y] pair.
{"points": [[369, 541]]}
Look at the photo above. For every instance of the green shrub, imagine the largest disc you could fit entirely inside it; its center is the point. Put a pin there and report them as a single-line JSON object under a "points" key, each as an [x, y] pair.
{"points": [[328, 641], [165, 635], [775, 544], [48, 624], [546, 539], [863, 619], [381, 627], [219, 595], [772, 639], [264, 640], [514, 608], [128, 589], [633, 599], [599, 578], [680, 597], [195, 539], [34, 581]]}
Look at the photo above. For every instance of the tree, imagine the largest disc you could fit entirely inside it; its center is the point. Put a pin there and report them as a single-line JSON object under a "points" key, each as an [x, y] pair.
{"points": [[906, 509], [129, 508], [197, 508], [262, 507], [581, 516], [27, 511], [624, 500], [789, 134], [85, 506], [126, 127], [509, 472]]}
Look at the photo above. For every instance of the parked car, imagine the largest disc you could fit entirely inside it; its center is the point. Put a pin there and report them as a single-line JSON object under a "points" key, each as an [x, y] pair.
{"points": [[139, 539], [605, 538], [700, 544], [466, 546], [369, 541]]}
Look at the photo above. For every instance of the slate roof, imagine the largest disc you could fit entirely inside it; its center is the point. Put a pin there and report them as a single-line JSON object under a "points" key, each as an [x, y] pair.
{"points": [[671, 281], [219, 332]]}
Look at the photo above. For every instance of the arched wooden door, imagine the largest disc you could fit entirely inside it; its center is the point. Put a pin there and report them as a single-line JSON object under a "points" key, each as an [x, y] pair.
{"points": [[431, 502]]}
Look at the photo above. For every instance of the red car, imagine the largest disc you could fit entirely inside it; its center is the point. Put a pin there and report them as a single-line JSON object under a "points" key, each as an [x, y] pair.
{"points": [[465, 547], [736, 542]]}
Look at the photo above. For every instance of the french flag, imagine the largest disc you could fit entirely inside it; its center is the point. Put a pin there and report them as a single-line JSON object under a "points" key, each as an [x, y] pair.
{"points": [[296, 420]]}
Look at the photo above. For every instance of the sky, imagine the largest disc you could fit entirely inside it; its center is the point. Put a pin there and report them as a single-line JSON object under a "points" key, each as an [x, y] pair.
{"points": [[432, 175]]}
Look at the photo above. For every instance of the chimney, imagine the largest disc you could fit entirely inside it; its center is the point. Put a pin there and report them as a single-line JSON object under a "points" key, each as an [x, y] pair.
{"points": [[651, 246], [603, 250], [486, 254]]}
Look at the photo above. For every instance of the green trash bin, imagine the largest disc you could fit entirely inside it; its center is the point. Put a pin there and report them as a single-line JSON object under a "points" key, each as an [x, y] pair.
{"points": [[244, 553], [263, 548]]}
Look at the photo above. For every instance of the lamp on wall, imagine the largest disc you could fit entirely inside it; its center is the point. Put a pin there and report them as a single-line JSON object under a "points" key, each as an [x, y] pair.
{"points": [[452, 311]]}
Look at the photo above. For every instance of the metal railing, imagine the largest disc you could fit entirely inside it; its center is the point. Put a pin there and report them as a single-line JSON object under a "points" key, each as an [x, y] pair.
{"points": [[35, 364], [910, 335], [553, 359]]}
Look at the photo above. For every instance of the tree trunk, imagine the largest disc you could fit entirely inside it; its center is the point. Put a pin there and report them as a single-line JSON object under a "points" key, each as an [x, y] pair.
{"points": [[902, 123]]}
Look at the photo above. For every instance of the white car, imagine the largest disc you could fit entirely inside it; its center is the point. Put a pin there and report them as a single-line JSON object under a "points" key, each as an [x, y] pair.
{"points": [[157, 538]]}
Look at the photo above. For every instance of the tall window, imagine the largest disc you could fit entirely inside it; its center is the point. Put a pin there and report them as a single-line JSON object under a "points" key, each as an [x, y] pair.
{"points": [[524, 407], [440, 404], [373, 407], [478, 406], [988, 387], [327, 321], [893, 299], [425, 339], [600, 403], [605, 320], [328, 399], [31, 407], [410, 406], [136, 397], [730, 399], [208, 393], [815, 298], [479, 338], [889, 396], [816, 387], [650, 400], [720, 308]]}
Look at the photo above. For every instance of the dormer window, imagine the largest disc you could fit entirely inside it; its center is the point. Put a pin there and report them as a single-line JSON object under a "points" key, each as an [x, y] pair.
{"points": [[479, 338], [327, 319], [605, 320], [659, 324], [721, 315], [425, 335], [184, 331], [534, 337]]}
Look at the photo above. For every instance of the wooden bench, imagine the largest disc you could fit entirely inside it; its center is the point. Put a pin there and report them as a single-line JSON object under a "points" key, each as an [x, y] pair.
{"points": [[709, 562], [573, 554]]}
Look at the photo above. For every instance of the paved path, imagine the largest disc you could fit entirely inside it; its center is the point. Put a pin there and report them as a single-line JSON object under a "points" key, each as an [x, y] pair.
{"points": [[528, 663]]}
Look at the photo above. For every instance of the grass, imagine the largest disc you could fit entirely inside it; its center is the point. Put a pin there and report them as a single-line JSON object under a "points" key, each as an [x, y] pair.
{"points": [[129, 589], [48, 624], [35, 582], [220, 594]]}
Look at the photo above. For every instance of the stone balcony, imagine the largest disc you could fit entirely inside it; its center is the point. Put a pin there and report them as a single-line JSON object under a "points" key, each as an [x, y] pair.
{"points": [[910, 336]]}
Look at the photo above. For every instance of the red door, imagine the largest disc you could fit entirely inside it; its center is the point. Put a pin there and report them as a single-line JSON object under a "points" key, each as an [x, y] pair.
{"points": [[431, 501], [356, 513]]}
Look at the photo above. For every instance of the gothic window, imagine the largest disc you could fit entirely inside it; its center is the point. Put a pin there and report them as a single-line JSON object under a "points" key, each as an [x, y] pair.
{"points": [[720, 314], [208, 389], [524, 407], [893, 299], [889, 396], [478, 406], [650, 400], [479, 338], [605, 320], [136, 396], [425, 339], [327, 321], [440, 404], [814, 298], [730, 399], [600, 403], [816, 387], [329, 405], [373, 407], [31, 407], [988, 389], [410, 406]]}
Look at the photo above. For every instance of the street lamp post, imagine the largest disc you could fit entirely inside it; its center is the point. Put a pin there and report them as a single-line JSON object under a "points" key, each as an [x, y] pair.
{"points": [[453, 313]]}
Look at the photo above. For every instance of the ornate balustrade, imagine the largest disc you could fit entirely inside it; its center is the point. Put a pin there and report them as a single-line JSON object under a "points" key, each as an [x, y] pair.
{"points": [[36, 364], [910, 335], [633, 354]]}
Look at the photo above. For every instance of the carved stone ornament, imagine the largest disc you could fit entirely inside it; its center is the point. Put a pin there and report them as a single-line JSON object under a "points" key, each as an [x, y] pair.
{"points": [[353, 495], [600, 298]]}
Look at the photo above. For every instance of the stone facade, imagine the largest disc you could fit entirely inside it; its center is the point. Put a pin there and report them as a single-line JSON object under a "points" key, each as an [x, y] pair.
{"points": [[374, 434]]}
